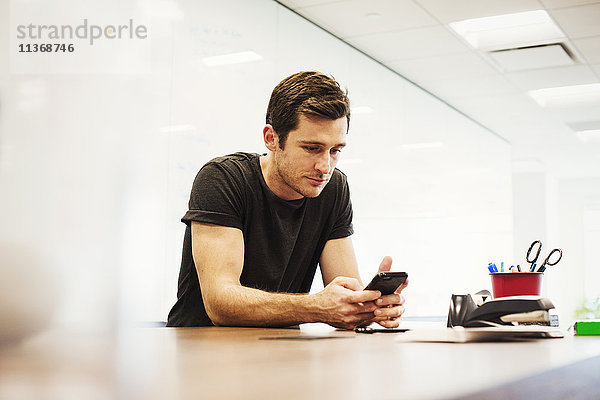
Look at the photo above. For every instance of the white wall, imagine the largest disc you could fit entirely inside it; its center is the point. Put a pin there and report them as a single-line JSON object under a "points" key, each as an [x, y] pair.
{"points": [[529, 211], [562, 213], [96, 168], [576, 276]]}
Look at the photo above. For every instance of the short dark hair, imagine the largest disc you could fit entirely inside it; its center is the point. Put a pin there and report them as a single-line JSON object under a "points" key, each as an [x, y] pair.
{"points": [[310, 93]]}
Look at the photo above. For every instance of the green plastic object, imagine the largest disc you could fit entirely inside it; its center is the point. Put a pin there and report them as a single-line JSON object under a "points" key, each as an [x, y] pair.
{"points": [[587, 328]]}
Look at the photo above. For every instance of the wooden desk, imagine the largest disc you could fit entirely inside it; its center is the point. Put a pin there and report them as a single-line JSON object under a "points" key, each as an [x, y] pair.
{"points": [[234, 363]]}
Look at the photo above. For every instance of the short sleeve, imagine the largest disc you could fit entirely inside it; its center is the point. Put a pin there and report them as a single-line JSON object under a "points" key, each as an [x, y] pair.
{"points": [[343, 223], [216, 198]]}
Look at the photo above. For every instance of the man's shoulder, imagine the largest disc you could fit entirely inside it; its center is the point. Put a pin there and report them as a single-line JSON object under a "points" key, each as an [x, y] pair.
{"points": [[339, 178], [235, 158], [232, 169], [233, 164], [337, 186]]}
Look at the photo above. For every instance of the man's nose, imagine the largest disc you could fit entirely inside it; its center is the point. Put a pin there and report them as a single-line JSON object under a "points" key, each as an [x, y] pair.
{"points": [[323, 164]]}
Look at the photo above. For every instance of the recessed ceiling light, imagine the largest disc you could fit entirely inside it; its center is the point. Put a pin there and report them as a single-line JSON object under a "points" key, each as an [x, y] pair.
{"points": [[544, 56], [373, 15], [586, 131], [567, 95], [509, 30], [592, 135], [232, 58], [588, 125]]}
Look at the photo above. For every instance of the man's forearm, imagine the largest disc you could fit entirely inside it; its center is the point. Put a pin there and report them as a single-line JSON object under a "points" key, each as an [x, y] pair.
{"points": [[243, 306]]}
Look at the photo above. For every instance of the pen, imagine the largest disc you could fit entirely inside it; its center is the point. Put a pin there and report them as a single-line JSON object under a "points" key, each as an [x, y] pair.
{"points": [[532, 267], [502, 266]]}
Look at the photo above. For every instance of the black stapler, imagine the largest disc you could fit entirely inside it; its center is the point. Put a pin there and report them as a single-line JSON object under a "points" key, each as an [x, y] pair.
{"points": [[521, 310]]}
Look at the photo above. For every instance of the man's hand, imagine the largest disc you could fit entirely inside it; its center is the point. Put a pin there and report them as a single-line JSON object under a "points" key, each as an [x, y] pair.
{"points": [[344, 305], [391, 307]]}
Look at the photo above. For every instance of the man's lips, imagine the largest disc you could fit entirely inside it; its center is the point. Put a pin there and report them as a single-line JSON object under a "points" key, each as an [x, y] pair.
{"points": [[318, 181]]}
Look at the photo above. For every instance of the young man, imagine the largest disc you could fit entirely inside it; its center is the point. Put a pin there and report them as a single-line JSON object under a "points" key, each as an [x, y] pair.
{"points": [[257, 226]]}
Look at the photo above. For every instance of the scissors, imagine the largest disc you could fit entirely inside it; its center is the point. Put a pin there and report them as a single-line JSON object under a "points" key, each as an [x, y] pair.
{"points": [[547, 261]]}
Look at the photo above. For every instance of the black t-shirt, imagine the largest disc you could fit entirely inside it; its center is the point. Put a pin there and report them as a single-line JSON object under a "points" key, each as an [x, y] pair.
{"points": [[283, 239]]}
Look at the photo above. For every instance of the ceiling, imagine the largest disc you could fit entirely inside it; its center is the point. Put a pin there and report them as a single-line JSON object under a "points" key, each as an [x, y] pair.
{"points": [[413, 38]]}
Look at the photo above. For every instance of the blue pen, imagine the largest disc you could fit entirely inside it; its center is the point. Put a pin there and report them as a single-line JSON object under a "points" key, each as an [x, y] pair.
{"points": [[532, 267]]}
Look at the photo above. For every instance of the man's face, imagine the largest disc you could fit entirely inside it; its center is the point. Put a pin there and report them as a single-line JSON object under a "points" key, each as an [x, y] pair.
{"points": [[311, 152]]}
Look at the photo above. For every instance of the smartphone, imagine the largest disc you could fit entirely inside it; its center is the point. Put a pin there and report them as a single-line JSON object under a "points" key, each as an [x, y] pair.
{"points": [[387, 282]]}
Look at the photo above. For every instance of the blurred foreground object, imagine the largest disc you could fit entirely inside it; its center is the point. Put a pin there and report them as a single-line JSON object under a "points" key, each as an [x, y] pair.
{"points": [[28, 292]]}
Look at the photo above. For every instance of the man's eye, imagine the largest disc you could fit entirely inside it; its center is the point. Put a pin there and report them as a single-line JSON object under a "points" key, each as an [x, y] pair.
{"points": [[311, 148], [336, 151]]}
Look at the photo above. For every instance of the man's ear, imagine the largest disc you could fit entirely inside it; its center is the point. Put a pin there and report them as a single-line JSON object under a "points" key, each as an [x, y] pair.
{"points": [[270, 137]]}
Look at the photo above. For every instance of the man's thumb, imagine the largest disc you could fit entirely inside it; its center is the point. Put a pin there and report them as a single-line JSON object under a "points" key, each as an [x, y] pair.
{"points": [[386, 264]]}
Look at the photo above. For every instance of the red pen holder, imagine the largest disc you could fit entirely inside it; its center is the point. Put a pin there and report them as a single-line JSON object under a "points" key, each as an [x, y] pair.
{"points": [[506, 284]]}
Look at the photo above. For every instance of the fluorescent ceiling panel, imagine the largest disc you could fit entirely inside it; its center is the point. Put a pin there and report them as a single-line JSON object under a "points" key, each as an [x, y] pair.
{"points": [[509, 30], [591, 136], [580, 126], [586, 131], [567, 95], [532, 58]]}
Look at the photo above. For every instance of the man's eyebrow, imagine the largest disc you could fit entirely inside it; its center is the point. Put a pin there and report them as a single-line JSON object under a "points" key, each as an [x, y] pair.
{"points": [[309, 142]]}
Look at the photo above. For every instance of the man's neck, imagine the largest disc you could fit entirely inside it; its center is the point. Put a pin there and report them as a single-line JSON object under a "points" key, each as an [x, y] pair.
{"points": [[274, 181]]}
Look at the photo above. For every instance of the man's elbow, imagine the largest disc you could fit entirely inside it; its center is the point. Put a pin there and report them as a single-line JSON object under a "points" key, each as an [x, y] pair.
{"points": [[220, 311], [218, 316]]}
